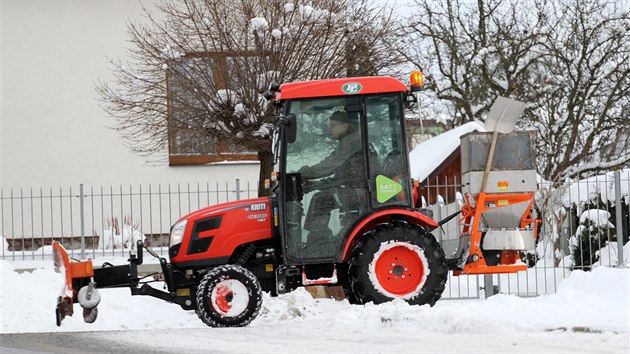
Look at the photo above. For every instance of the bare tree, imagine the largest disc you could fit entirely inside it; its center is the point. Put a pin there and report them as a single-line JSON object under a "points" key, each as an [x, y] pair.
{"points": [[473, 52], [582, 114], [194, 73], [567, 60]]}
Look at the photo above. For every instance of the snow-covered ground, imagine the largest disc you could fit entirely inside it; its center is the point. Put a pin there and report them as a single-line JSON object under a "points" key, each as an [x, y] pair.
{"points": [[588, 314]]}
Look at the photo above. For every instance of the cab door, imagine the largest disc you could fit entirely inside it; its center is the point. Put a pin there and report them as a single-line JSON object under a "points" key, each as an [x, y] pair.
{"points": [[389, 165], [324, 192]]}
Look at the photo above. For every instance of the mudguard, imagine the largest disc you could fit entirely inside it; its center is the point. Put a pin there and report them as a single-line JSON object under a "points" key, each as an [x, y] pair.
{"points": [[411, 216]]}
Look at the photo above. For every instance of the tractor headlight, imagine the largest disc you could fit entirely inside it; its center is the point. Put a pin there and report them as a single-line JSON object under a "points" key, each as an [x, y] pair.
{"points": [[177, 232]]}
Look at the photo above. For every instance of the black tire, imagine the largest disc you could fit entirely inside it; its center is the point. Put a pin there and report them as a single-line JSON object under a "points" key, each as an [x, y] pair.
{"points": [[390, 262], [90, 315], [217, 291]]}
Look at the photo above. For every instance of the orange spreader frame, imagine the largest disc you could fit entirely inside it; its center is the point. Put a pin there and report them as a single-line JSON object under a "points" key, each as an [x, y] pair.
{"points": [[471, 218]]}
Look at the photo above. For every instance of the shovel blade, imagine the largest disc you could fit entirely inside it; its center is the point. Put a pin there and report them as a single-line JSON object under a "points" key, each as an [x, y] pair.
{"points": [[503, 115]]}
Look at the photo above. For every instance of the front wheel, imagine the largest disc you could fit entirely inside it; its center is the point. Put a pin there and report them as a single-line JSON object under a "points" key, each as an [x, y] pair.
{"points": [[398, 260], [228, 296]]}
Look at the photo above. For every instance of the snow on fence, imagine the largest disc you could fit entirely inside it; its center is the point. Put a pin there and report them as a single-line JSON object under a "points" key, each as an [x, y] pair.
{"points": [[93, 221]]}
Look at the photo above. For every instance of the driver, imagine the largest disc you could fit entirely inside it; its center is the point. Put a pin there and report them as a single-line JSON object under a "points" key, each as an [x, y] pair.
{"points": [[344, 166], [341, 127]]}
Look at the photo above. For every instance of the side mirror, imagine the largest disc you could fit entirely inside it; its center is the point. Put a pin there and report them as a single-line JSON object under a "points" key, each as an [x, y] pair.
{"points": [[290, 124]]}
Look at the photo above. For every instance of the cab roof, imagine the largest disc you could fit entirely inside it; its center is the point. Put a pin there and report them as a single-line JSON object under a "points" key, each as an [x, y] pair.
{"points": [[340, 87]]}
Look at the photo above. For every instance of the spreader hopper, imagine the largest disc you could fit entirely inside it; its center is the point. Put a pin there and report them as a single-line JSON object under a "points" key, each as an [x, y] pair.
{"points": [[499, 182]]}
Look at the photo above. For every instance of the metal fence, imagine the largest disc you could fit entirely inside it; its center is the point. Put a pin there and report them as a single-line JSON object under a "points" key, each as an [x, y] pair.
{"points": [[100, 221], [97, 222], [584, 224]]}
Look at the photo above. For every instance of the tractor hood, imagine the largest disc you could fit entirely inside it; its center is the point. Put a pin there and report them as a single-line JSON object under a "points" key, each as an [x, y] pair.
{"points": [[212, 234], [223, 207]]}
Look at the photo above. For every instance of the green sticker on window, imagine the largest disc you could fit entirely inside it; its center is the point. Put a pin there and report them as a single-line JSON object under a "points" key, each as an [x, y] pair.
{"points": [[386, 188]]}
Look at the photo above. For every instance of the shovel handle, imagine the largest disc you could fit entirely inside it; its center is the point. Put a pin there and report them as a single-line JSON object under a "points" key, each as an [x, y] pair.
{"points": [[493, 145]]}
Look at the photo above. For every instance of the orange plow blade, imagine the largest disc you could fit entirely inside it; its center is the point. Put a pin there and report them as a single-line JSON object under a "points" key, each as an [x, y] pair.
{"points": [[71, 272]]}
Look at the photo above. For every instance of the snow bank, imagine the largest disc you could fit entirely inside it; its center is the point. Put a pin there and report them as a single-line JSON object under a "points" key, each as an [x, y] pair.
{"points": [[296, 305], [595, 300]]}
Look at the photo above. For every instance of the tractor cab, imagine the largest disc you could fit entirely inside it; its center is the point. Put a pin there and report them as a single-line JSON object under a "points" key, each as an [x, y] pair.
{"points": [[342, 154]]}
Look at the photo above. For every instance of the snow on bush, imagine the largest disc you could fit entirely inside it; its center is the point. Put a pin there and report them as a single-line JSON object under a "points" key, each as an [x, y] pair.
{"points": [[227, 96], [263, 80], [116, 236], [591, 236], [597, 217], [603, 186], [239, 109], [276, 33], [264, 130], [259, 24], [305, 11]]}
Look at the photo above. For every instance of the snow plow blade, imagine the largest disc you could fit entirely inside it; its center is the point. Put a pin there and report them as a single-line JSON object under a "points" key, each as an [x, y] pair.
{"points": [[73, 272]]}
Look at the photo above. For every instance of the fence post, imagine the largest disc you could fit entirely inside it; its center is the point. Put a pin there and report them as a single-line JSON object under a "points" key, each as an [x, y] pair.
{"points": [[488, 285], [82, 221], [238, 189], [618, 212]]}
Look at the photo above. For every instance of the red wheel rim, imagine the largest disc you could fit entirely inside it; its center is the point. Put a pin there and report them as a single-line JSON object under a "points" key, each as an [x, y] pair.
{"points": [[229, 298], [222, 302], [400, 270]]}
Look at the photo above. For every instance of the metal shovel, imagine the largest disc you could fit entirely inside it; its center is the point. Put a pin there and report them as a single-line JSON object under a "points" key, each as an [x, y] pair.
{"points": [[502, 119]]}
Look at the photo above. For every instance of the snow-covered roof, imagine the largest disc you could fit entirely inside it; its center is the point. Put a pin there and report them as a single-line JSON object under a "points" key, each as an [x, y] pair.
{"points": [[428, 155]]}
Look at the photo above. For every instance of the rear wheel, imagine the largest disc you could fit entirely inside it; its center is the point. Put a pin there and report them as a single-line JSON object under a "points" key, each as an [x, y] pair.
{"points": [[398, 260], [228, 296]]}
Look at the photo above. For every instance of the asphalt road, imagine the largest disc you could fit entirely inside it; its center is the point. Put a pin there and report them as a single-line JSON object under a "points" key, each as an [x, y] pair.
{"points": [[68, 343]]}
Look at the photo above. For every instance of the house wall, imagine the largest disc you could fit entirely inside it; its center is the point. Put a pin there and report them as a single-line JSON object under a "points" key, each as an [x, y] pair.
{"points": [[52, 131], [445, 181]]}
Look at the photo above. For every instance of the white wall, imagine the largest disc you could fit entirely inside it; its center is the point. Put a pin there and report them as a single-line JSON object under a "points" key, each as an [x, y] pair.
{"points": [[1, 85], [52, 131]]}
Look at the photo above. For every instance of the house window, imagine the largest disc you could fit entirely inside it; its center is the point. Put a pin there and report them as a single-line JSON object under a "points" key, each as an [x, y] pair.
{"points": [[193, 84]]}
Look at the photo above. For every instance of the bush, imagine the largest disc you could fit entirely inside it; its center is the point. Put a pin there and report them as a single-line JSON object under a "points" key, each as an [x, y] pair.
{"points": [[593, 233], [116, 236]]}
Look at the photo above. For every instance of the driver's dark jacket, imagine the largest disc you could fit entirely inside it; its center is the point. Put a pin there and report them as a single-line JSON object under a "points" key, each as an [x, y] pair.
{"points": [[341, 162]]}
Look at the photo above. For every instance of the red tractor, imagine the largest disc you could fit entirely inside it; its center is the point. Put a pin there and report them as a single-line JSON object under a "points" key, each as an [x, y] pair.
{"points": [[342, 211]]}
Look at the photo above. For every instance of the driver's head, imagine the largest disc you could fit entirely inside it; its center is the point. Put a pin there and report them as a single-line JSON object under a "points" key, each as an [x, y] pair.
{"points": [[341, 125]]}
